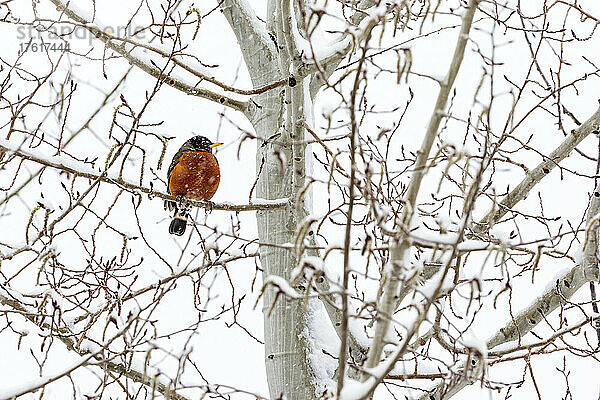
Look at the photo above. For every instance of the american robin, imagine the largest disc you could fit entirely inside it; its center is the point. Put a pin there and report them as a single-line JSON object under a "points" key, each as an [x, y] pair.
{"points": [[193, 174]]}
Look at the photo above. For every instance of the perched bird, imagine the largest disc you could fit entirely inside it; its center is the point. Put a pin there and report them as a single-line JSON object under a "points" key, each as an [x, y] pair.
{"points": [[193, 174]]}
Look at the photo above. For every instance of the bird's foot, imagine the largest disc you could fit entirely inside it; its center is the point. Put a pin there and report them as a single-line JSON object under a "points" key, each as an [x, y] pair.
{"points": [[186, 208], [183, 207]]}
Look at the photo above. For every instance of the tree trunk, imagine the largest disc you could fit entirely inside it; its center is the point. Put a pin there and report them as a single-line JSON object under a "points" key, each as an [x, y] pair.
{"points": [[287, 367], [288, 372]]}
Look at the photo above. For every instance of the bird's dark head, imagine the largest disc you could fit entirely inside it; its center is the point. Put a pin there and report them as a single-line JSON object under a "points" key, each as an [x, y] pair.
{"points": [[202, 143]]}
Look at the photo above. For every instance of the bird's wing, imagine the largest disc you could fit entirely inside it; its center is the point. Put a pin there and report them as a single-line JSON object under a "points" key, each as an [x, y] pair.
{"points": [[174, 162], [185, 147]]}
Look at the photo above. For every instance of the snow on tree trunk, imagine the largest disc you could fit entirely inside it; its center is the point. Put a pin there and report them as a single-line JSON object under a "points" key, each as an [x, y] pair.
{"points": [[288, 371]]}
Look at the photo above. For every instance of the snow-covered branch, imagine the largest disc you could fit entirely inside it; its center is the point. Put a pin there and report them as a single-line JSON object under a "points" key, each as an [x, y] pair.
{"points": [[400, 252], [89, 358], [256, 43], [83, 171], [146, 66]]}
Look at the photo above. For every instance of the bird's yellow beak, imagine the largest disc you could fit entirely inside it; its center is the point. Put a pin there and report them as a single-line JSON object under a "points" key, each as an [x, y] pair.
{"points": [[215, 145]]}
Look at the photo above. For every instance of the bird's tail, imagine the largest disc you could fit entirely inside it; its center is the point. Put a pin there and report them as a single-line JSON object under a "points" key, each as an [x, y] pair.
{"points": [[179, 222]]}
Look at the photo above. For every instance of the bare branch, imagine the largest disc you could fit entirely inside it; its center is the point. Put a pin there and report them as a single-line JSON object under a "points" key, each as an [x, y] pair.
{"points": [[534, 176], [153, 71], [399, 252]]}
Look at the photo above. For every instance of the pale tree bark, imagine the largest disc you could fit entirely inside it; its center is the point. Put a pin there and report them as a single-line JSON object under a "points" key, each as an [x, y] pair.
{"points": [[279, 118], [288, 371]]}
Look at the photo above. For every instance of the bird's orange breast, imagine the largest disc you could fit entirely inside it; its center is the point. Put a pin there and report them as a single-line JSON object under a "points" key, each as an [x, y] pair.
{"points": [[195, 176]]}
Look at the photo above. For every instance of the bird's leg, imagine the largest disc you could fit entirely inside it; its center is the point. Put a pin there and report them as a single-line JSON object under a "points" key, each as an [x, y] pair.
{"points": [[179, 204], [185, 208], [209, 205], [182, 208]]}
